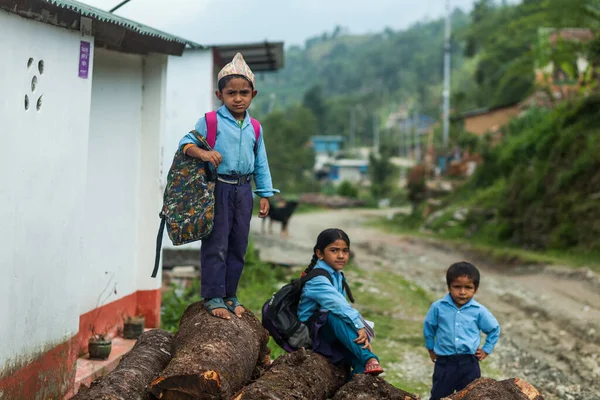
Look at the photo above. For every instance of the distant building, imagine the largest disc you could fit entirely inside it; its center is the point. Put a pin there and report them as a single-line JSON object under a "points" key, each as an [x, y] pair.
{"points": [[562, 81], [484, 120], [327, 144], [354, 171], [406, 121], [326, 148]]}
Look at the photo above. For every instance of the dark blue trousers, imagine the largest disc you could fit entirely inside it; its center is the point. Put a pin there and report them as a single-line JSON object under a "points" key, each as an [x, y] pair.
{"points": [[453, 373], [222, 252]]}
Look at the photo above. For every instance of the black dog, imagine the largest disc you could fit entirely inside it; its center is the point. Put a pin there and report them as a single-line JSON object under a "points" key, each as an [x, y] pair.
{"points": [[280, 212]]}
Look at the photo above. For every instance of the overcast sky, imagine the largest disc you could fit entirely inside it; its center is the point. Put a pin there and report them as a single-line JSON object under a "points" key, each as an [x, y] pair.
{"points": [[292, 21]]}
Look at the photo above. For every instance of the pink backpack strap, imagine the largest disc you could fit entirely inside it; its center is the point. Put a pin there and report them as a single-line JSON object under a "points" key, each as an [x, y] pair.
{"points": [[256, 126], [211, 128]]}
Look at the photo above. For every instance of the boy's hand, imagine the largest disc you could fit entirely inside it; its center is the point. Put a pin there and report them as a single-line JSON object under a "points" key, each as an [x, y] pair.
{"points": [[213, 157], [481, 355], [264, 207], [432, 355], [363, 339]]}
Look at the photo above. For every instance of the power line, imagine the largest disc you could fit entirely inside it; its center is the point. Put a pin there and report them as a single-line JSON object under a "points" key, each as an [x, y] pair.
{"points": [[121, 4]]}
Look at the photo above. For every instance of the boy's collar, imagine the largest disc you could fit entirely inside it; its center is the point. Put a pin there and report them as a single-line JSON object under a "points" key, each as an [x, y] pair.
{"points": [[224, 111], [471, 303]]}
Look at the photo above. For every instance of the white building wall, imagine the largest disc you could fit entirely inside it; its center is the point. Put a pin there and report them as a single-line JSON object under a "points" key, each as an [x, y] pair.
{"points": [[150, 190], [42, 196], [189, 95], [349, 174], [113, 184]]}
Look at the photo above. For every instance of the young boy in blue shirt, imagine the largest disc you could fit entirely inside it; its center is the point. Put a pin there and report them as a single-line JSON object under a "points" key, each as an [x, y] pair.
{"points": [[452, 332], [237, 158]]}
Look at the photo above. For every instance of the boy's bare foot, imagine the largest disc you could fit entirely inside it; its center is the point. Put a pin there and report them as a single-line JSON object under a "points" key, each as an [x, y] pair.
{"points": [[217, 308], [238, 310], [234, 306], [221, 313]]}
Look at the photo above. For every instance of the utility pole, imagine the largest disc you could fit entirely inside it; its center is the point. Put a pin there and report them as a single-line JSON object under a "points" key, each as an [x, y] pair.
{"points": [[406, 135], [352, 127], [446, 92], [415, 124], [375, 134]]}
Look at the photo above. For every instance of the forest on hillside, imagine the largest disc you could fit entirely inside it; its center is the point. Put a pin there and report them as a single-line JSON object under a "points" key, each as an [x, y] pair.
{"points": [[536, 190]]}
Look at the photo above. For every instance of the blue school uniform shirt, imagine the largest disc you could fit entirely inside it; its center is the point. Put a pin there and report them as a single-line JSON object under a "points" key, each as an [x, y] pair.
{"points": [[319, 294], [450, 330], [235, 142]]}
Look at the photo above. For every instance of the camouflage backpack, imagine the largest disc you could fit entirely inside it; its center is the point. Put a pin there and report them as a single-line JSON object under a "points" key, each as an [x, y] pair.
{"points": [[189, 201]]}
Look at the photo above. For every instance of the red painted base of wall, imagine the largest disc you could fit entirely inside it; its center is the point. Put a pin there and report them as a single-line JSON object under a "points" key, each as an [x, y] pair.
{"points": [[109, 318], [52, 374]]}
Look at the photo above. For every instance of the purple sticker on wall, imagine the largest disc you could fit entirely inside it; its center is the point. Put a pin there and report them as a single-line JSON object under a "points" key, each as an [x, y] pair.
{"points": [[84, 59]]}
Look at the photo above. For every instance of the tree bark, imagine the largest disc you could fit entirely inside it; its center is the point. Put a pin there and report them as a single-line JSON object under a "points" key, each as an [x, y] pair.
{"points": [[128, 381], [486, 388], [213, 357], [299, 375], [367, 387]]}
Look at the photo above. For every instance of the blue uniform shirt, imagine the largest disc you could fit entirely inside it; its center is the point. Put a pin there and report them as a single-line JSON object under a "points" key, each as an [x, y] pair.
{"points": [[236, 146], [320, 294], [450, 330]]}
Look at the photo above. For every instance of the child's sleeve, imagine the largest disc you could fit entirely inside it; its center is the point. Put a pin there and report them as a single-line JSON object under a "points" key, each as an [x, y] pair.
{"points": [[262, 174], [430, 326], [489, 325], [190, 138], [322, 291]]}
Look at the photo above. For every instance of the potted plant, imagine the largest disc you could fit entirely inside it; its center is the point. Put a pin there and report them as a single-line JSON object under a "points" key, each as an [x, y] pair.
{"points": [[133, 327], [99, 345]]}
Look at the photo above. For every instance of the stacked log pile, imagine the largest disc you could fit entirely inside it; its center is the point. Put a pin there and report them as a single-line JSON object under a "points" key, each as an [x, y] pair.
{"points": [[211, 358]]}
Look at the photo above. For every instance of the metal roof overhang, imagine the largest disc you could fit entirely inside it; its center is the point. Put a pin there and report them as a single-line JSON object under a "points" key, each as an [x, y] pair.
{"points": [[109, 31], [261, 57]]}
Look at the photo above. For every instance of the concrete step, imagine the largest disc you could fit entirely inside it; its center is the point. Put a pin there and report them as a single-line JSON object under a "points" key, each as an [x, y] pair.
{"points": [[87, 370]]}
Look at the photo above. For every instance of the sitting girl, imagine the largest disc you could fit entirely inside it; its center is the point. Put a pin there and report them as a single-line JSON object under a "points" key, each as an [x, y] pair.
{"points": [[337, 329]]}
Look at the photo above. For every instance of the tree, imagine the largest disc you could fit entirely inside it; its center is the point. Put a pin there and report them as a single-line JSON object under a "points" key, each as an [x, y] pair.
{"points": [[315, 102], [379, 171], [291, 159]]}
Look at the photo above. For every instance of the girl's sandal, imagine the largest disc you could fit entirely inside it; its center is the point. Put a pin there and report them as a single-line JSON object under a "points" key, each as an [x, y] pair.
{"points": [[373, 368], [232, 303], [214, 304]]}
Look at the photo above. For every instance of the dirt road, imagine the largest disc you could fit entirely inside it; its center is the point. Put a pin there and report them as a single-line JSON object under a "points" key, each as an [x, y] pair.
{"points": [[550, 317]]}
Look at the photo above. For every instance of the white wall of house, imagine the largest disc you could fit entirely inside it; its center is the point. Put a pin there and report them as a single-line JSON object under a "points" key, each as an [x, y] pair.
{"points": [[150, 189], [123, 195], [189, 94], [43, 171]]}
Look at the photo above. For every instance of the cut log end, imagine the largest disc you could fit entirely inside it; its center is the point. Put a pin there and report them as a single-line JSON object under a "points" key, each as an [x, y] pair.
{"points": [[509, 389], [151, 353], [367, 387], [213, 357]]}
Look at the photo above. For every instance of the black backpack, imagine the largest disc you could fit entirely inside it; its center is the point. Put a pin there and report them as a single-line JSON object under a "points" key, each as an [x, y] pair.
{"points": [[280, 313]]}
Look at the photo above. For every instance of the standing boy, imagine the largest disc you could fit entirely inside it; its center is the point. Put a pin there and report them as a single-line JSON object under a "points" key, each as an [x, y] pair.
{"points": [[452, 330], [239, 155]]}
